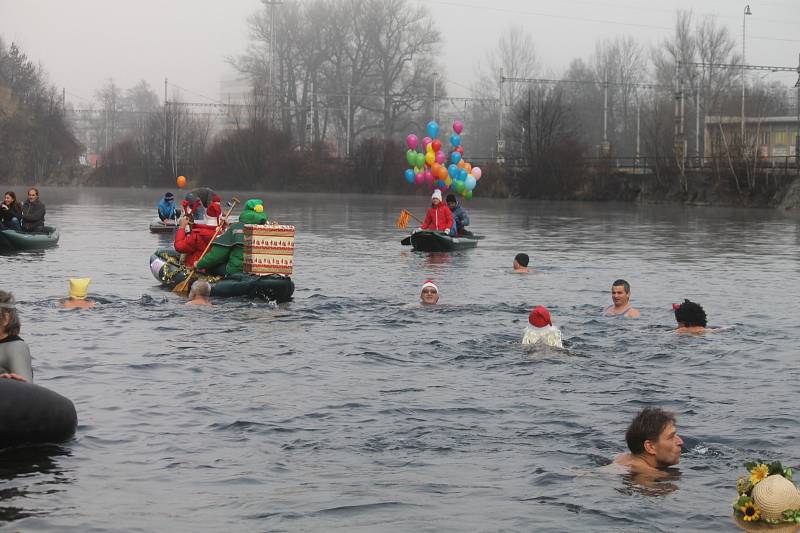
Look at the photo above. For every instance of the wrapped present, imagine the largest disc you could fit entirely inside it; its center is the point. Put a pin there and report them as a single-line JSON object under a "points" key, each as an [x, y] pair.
{"points": [[268, 249]]}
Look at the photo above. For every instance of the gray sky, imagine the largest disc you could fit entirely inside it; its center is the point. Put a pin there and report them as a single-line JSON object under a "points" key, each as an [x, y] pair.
{"points": [[82, 43]]}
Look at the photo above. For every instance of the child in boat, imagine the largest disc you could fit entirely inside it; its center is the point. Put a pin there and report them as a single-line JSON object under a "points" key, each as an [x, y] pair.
{"points": [[540, 329], [439, 217]]}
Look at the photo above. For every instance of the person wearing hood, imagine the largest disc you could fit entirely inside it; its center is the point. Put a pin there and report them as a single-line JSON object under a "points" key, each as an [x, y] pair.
{"points": [[167, 210], [15, 356], [192, 238], [540, 329], [228, 248], [78, 291], [33, 212], [198, 200], [439, 217], [460, 217]]}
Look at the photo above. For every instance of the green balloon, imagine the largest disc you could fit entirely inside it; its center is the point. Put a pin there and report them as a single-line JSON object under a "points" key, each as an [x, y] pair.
{"points": [[411, 157], [468, 195], [420, 160]]}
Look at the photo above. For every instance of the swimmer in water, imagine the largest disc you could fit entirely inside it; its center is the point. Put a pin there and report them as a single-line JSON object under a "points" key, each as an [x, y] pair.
{"points": [[654, 444], [521, 263], [621, 297], [540, 329], [15, 357], [77, 294], [199, 293], [691, 318], [429, 294]]}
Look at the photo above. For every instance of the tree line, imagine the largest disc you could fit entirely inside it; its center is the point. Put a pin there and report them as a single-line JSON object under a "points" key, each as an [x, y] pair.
{"points": [[334, 85]]}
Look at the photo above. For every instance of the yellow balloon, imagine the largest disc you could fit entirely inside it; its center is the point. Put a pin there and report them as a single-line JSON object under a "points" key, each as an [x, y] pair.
{"points": [[430, 158]]}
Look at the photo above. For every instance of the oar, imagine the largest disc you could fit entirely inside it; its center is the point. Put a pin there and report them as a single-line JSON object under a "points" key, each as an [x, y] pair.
{"points": [[183, 287]]}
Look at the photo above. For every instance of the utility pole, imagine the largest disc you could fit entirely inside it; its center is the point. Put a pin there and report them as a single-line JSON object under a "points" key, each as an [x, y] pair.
{"points": [[697, 126], [500, 141], [744, 19], [638, 107], [347, 147], [165, 122], [271, 100]]}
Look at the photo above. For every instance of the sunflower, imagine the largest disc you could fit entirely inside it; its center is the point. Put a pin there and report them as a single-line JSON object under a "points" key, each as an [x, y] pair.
{"points": [[758, 473], [750, 513]]}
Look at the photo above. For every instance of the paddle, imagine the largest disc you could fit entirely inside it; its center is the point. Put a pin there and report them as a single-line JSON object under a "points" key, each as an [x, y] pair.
{"points": [[183, 287]]}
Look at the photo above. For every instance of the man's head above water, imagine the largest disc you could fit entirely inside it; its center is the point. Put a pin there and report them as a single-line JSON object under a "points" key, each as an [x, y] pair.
{"points": [[429, 294], [653, 437]]}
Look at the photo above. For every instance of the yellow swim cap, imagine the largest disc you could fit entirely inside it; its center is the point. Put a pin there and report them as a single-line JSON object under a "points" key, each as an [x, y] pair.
{"points": [[78, 286]]}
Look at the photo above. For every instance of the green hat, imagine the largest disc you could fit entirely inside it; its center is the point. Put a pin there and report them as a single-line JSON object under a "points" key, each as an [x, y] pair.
{"points": [[253, 212]]}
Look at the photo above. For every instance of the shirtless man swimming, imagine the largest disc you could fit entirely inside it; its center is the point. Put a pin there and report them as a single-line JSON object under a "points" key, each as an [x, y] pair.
{"points": [[621, 296], [653, 442]]}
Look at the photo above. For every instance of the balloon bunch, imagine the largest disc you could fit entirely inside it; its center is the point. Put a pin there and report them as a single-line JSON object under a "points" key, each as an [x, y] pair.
{"points": [[431, 168]]}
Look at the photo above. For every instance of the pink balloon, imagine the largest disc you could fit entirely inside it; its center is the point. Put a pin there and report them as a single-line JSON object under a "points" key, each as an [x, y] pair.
{"points": [[440, 157], [419, 178], [412, 141], [426, 141], [476, 171], [458, 126], [428, 175]]}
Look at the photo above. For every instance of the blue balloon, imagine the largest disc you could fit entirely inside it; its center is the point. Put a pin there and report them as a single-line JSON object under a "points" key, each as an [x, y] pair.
{"points": [[455, 157], [452, 170], [470, 182], [462, 174], [433, 129], [409, 175], [455, 140]]}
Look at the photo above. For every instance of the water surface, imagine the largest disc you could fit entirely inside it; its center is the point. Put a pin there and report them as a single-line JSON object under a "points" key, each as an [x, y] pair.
{"points": [[354, 409]]}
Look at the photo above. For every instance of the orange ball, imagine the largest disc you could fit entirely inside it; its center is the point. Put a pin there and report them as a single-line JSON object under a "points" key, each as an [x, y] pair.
{"points": [[181, 182]]}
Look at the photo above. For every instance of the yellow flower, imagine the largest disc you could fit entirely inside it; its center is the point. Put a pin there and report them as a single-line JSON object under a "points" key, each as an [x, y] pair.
{"points": [[758, 473], [750, 513]]}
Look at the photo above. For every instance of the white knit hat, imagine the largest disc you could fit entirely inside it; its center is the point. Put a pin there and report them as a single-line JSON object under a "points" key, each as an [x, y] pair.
{"points": [[437, 194]]}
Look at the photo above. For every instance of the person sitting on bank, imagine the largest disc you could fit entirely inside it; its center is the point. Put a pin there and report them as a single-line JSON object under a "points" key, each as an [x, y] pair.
{"points": [[10, 212], [520, 263], [167, 210], [691, 318], [228, 249], [621, 298], [199, 293], [540, 329], [33, 212], [653, 442], [192, 238], [15, 357], [438, 217], [78, 292], [460, 217]]}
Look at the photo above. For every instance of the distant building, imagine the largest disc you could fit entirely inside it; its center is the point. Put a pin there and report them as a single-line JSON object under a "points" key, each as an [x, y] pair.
{"points": [[775, 138]]}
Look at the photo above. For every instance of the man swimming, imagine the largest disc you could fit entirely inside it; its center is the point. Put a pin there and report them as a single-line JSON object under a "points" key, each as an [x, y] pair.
{"points": [[429, 294], [691, 318], [520, 263], [653, 442], [621, 296]]}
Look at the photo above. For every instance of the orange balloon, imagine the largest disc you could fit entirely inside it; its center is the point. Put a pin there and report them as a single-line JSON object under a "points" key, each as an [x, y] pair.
{"points": [[181, 181], [460, 164], [468, 168]]}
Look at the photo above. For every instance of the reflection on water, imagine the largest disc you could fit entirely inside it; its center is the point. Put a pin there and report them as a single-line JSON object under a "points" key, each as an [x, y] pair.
{"points": [[36, 462], [354, 408]]}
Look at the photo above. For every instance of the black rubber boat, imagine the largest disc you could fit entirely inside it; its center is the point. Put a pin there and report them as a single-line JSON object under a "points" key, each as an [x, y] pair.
{"points": [[13, 240], [166, 267], [438, 241]]}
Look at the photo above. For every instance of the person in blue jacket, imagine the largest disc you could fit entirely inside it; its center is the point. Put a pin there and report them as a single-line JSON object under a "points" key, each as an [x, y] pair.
{"points": [[460, 217], [167, 210]]}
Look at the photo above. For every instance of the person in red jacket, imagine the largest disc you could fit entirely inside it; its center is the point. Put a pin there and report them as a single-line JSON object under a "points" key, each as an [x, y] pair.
{"points": [[439, 217], [191, 239]]}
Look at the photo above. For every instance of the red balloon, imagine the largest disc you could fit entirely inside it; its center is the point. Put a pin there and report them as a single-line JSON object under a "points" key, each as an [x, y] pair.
{"points": [[436, 145], [459, 149]]}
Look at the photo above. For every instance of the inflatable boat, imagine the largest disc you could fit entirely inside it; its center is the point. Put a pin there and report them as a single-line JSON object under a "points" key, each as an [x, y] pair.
{"points": [[11, 240], [163, 226], [166, 268], [438, 241], [33, 414]]}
